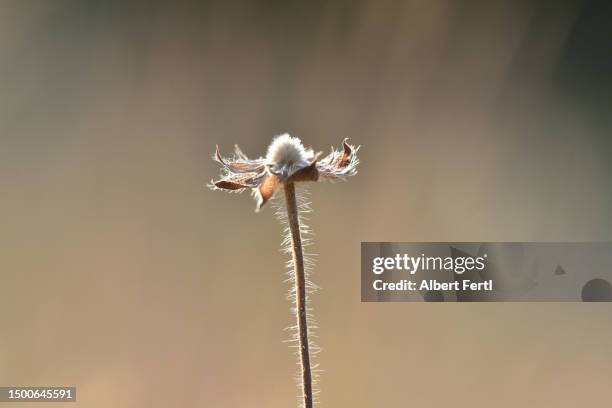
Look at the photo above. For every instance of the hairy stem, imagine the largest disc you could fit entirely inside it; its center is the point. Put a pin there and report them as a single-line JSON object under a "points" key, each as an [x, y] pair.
{"points": [[300, 291]]}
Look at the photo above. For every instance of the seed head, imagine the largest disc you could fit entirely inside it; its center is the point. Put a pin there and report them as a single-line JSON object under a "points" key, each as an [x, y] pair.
{"points": [[286, 161], [286, 155]]}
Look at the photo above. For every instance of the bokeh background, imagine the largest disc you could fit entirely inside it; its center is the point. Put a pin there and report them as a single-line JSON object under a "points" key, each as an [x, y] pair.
{"points": [[123, 275]]}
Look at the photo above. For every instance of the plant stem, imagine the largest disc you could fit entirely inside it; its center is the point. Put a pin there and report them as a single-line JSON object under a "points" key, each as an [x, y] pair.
{"points": [[300, 291]]}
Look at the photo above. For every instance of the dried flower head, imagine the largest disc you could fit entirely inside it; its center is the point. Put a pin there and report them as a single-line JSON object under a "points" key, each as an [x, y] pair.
{"points": [[286, 161]]}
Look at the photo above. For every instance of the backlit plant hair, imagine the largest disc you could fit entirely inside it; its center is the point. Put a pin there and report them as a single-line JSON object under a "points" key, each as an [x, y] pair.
{"points": [[286, 163]]}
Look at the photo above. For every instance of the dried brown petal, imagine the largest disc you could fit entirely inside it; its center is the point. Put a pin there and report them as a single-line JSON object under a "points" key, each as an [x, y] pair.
{"points": [[229, 185], [339, 164], [346, 154], [240, 165], [267, 189], [309, 173], [236, 181]]}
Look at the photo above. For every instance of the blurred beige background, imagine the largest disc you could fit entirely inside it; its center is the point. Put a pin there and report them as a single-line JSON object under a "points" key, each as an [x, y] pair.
{"points": [[123, 275]]}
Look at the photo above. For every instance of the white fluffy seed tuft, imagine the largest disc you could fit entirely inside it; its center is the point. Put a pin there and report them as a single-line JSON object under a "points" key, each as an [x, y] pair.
{"points": [[288, 152]]}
